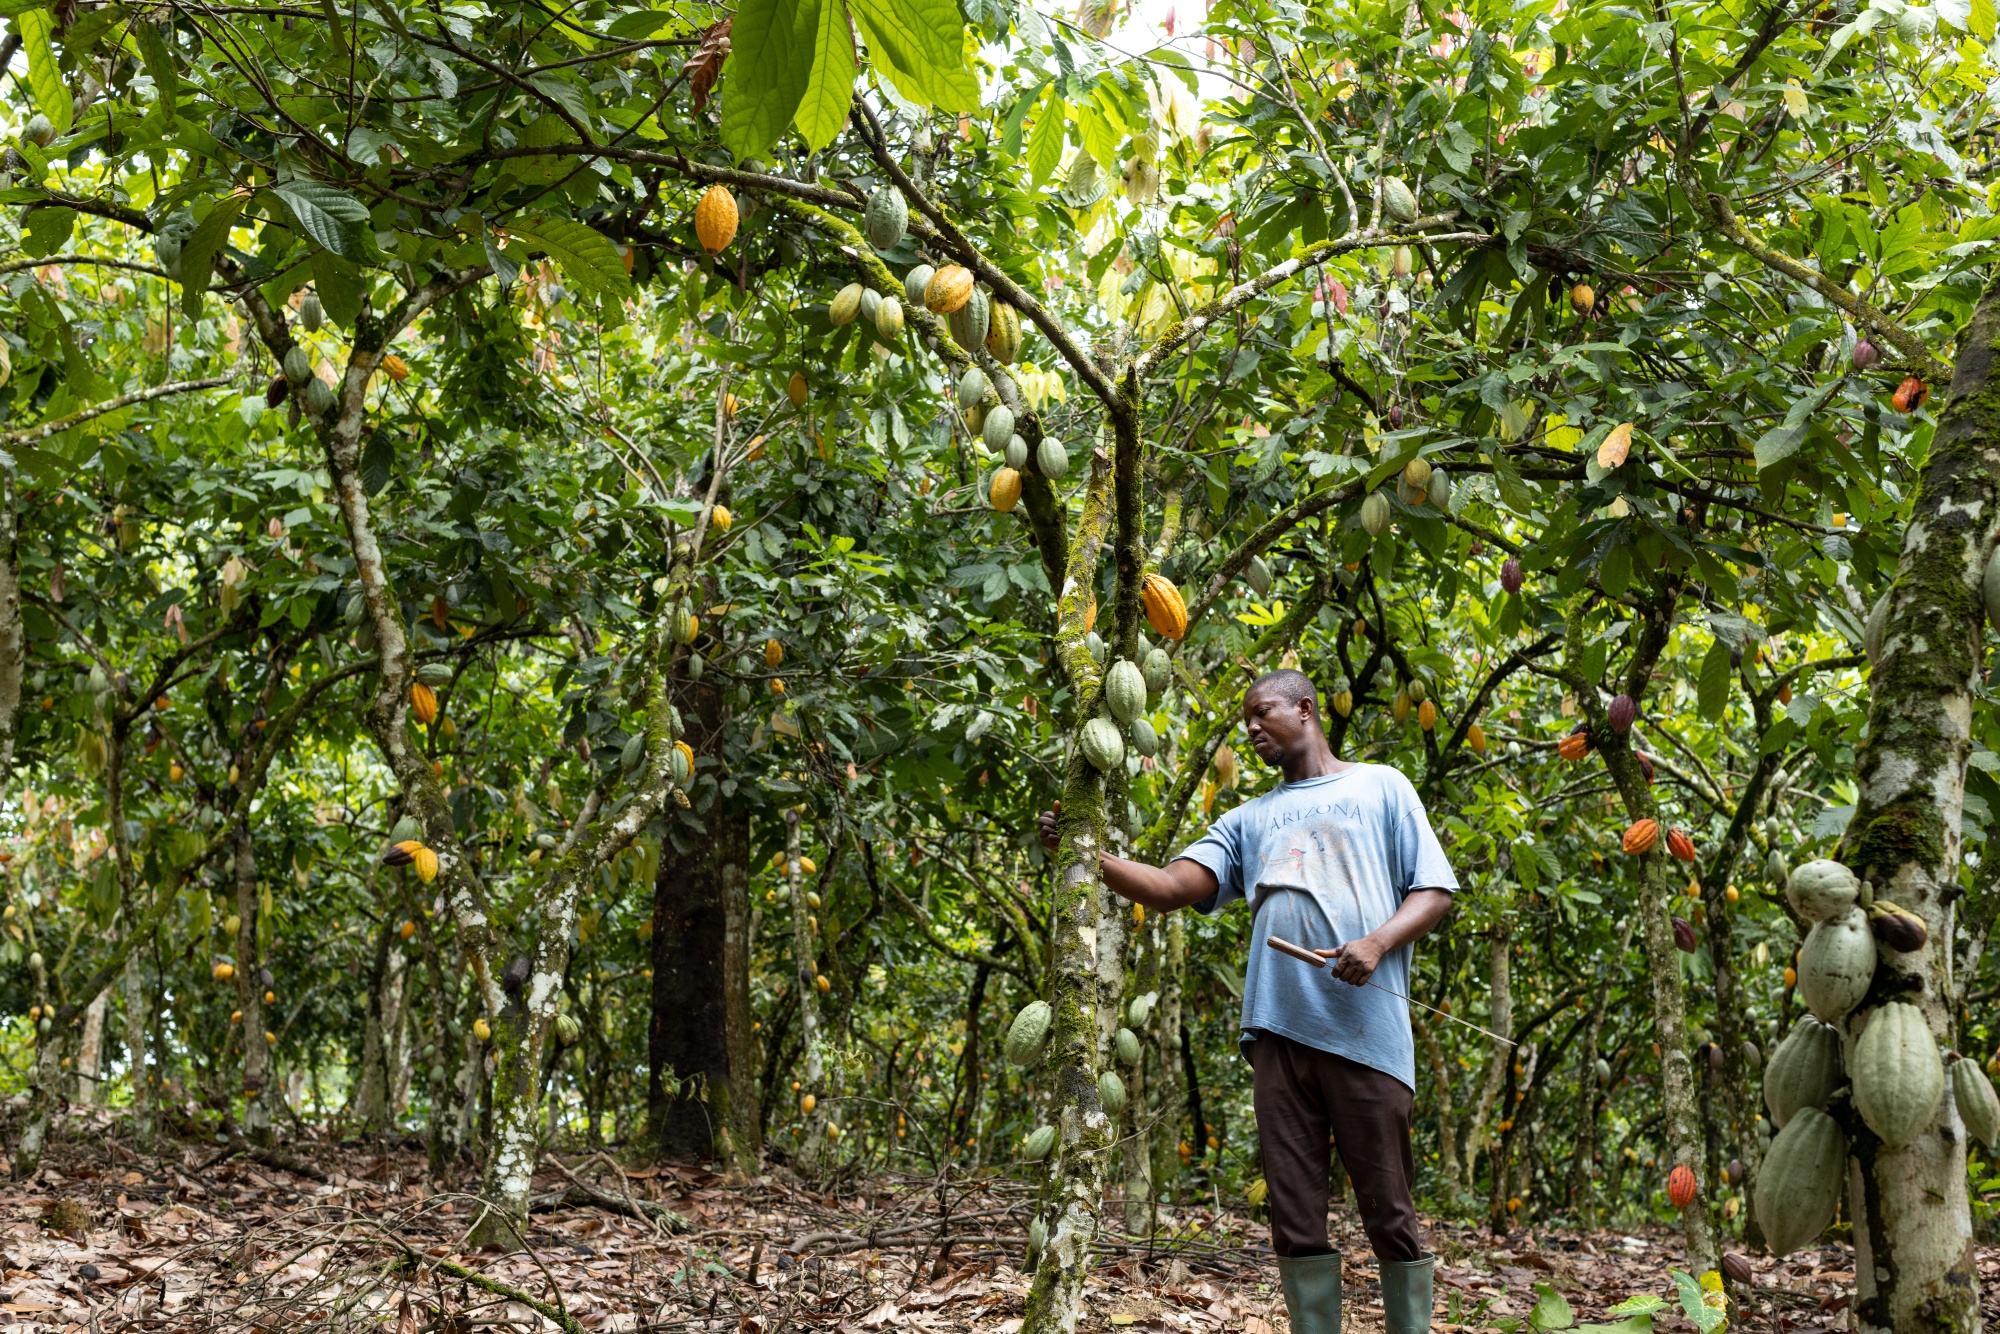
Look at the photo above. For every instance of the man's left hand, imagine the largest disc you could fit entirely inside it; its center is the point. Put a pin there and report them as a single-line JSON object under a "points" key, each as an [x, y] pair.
{"points": [[1355, 962]]}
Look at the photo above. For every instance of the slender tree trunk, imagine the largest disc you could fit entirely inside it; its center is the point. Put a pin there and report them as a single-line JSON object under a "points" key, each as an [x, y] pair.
{"points": [[1137, 1149], [964, 1121], [138, 1063], [1500, 1017], [1591, 1091], [689, 1090], [371, 1086], [13, 640], [746, 1127], [1910, 1206], [1441, 1075], [250, 995], [90, 1050], [1073, 1190], [1655, 882], [1169, 1076], [812, 1090]]}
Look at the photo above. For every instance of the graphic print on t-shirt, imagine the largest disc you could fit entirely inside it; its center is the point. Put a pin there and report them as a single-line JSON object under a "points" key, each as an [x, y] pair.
{"points": [[1322, 862]]}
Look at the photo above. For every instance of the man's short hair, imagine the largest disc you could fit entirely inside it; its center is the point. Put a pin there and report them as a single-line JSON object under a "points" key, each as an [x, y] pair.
{"points": [[1289, 684]]}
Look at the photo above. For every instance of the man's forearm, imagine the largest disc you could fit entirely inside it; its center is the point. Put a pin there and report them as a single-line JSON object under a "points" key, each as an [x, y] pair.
{"points": [[1164, 888], [1422, 910]]}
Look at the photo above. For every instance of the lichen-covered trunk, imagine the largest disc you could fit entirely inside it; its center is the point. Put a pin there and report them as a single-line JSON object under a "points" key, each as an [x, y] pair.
{"points": [[45, 1081], [1910, 1207], [90, 1050], [250, 995], [371, 1086], [138, 1053], [1169, 1078], [812, 1079], [1073, 1188]]}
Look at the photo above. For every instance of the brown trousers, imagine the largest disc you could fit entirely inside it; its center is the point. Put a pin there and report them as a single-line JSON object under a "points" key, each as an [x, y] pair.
{"points": [[1304, 1097]]}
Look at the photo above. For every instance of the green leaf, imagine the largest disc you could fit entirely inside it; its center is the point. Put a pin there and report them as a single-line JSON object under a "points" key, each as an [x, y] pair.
{"points": [[1551, 1310], [920, 45], [340, 287], [159, 64], [771, 59], [1982, 20], [588, 259], [1045, 141], [1631, 1324], [198, 254], [46, 230], [331, 217], [822, 112], [1712, 694], [1706, 1318], [15, 8], [378, 462], [45, 83]]}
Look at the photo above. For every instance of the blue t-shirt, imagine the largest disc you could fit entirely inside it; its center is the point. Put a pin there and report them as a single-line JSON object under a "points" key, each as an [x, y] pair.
{"points": [[1323, 862]]}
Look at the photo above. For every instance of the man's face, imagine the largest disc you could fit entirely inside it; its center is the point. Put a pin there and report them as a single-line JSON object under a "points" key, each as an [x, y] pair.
{"points": [[1277, 726]]}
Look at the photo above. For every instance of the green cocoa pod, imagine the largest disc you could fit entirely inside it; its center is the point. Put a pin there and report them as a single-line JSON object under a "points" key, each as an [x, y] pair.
{"points": [[1898, 1074], [887, 218], [1128, 1046], [998, 426], [1822, 889], [1978, 1107], [1798, 1185], [1804, 1071], [1051, 459], [1837, 964], [1375, 513], [1125, 690], [1039, 1144], [1145, 741], [914, 283], [1102, 745], [971, 389], [1398, 200], [1111, 1092], [1028, 1035]]}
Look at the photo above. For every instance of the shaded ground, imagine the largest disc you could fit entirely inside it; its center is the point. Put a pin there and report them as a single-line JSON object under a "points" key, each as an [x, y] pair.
{"points": [[204, 1239]]}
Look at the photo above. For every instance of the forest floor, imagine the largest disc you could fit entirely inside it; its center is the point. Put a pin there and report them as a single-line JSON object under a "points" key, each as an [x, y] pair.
{"points": [[200, 1238]]}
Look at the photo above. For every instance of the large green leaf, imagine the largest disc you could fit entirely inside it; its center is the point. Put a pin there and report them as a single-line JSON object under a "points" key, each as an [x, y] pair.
{"points": [[920, 46], [45, 83], [822, 112], [587, 258], [771, 60], [1712, 691], [198, 253], [330, 216]]}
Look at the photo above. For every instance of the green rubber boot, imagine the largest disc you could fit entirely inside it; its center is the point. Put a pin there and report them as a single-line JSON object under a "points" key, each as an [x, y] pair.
{"points": [[1406, 1295], [1312, 1292]]}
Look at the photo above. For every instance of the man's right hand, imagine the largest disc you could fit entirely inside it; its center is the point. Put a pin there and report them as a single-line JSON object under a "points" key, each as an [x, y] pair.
{"points": [[1047, 823]]}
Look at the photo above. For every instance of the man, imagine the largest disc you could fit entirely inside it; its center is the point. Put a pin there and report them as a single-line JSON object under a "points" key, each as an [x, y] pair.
{"points": [[1338, 858]]}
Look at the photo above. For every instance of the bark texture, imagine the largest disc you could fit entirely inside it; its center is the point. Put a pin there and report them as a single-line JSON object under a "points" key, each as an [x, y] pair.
{"points": [[1910, 1207]]}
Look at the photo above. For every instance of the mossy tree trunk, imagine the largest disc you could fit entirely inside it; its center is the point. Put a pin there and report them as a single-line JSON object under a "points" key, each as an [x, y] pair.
{"points": [[1910, 1207]]}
